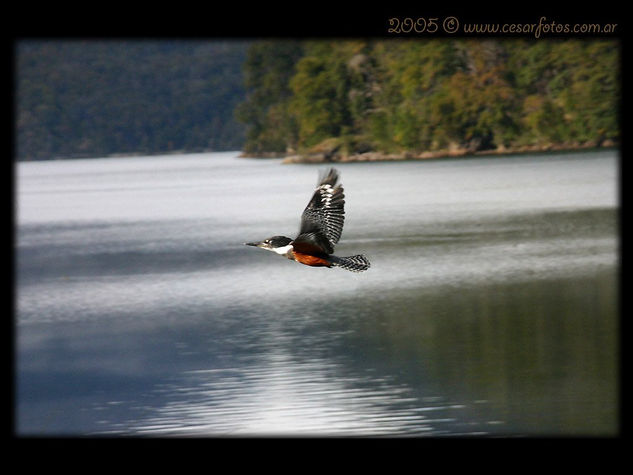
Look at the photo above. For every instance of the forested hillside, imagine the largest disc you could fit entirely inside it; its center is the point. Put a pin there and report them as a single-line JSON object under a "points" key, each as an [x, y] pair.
{"points": [[94, 98], [337, 97], [414, 96]]}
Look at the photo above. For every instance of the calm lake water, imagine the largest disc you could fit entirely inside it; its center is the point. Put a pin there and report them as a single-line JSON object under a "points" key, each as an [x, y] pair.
{"points": [[491, 307]]}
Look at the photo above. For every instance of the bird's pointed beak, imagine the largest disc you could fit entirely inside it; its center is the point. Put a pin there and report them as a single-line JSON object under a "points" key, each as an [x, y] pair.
{"points": [[256, 244]]}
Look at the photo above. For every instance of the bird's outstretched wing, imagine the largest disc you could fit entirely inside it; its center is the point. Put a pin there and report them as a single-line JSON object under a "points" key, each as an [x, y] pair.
{"points": [[322, 220]]}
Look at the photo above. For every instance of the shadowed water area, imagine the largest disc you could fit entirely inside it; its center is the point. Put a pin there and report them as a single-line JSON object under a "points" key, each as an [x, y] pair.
{"points": [[491, 307]]}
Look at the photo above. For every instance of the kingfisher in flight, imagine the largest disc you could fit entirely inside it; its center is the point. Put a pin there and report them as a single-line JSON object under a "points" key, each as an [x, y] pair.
{"points": [[321, 228]]}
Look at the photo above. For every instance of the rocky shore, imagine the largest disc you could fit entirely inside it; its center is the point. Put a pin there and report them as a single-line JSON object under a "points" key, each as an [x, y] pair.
{"points": [[334, 155]]}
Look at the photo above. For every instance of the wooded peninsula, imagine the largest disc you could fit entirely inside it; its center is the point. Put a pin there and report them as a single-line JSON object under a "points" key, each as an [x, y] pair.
{"points": [[408, 99]]}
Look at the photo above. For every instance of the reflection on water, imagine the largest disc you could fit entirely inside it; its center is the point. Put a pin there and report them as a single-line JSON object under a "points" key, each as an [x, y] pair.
{"points": [[489, 309], [283, 397], [511, 359]]}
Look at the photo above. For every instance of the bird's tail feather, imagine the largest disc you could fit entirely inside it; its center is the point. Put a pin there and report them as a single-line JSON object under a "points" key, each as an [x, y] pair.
{"points": [[358, 263]]}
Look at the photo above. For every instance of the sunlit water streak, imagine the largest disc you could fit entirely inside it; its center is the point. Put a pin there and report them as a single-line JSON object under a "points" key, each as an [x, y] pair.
{"points": [[282, 398]]}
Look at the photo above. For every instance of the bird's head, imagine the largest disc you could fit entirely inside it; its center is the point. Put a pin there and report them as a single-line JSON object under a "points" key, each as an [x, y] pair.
{"points": [[278, 244]]}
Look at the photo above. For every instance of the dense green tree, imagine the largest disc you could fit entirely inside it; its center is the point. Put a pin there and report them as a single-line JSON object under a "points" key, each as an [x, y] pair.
{"points": [[268, 68], [569, 88], [411, 73], [322, 86], [475, 106]]}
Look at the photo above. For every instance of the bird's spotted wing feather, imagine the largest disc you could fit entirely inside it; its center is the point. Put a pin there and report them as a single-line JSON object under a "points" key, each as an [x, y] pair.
{"points": [[323, 218]]}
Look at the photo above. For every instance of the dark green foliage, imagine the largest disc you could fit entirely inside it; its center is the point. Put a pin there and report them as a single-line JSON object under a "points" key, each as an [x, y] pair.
{"points": [[267, 72], [320, 89], [91, 98], [429, 94]]}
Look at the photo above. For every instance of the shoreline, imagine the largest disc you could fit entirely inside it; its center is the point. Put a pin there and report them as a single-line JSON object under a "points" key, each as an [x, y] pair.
{"points": [[370, 156], [375, 156]]}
